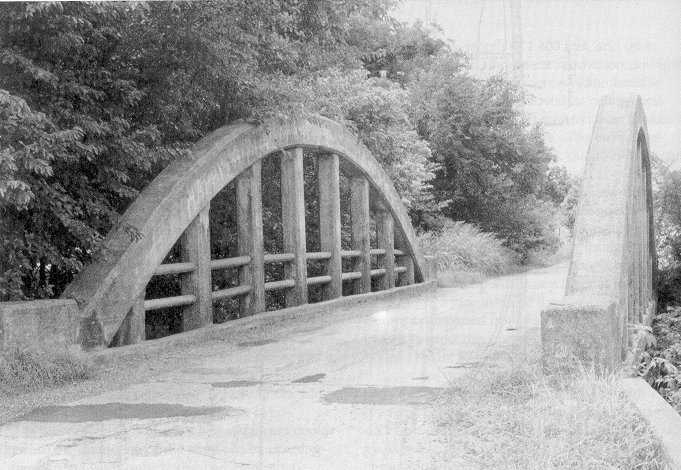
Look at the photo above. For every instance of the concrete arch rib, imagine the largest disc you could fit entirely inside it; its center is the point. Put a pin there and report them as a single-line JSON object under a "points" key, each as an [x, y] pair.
{"points": [[610, 281], [599, 243], [105, 289]]}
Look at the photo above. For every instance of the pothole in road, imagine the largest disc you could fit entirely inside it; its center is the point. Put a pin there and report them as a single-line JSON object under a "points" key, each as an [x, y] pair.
{"points": [[309, 379], [109, 411], [235, 384], [384, 395]]}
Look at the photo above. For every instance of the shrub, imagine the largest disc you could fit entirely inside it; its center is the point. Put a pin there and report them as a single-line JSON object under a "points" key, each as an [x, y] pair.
{"points": [[461, 246], [661, 362], [23, 370]]}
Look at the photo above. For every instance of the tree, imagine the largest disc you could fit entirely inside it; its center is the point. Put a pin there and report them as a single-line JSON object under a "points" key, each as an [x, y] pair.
{"points": [[492, 165], [98, 97]]}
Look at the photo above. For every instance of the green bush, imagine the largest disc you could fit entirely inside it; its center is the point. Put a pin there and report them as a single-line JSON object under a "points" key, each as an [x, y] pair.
{"points": [[661, 364], [458, 245]]}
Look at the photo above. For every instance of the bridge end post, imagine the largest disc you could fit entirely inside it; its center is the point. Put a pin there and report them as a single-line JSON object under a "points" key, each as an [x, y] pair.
{"points": [[581, 332]]}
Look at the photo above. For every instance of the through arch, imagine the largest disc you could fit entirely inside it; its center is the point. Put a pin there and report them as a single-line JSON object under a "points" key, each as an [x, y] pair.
{"points": [[109, 287]]}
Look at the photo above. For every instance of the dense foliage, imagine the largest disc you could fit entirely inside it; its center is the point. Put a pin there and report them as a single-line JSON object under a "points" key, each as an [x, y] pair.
{"points": [[661, 365], [661, 362], [97, 98]]}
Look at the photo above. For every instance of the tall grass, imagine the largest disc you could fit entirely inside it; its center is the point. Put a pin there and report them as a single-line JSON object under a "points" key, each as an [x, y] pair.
{"points": [[23, 370], [516, 418], [463, 250]]}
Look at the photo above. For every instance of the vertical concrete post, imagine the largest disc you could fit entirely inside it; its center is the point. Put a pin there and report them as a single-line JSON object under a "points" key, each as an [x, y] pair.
{"points": [[386, 241], [250, 239], [132, 330], [361, 232], [330, 222], [196, 249], [293, 222], [406, 278]]}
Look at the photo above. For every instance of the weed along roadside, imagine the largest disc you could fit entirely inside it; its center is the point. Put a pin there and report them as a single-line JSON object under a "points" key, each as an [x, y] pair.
{"points": [[513, 415], [25, 370]]}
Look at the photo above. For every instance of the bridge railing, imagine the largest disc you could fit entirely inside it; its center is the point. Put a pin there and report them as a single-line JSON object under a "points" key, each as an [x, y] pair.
{"points": [[610, 285], [106, 303], [195, 270]]}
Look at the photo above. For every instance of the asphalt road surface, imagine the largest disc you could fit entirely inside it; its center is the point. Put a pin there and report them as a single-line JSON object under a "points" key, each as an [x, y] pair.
{"points": [[354, 394]]}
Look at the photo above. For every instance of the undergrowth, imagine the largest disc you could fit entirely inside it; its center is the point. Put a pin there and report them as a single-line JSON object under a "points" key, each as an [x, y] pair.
{"points": [[661, 361], [463, 250], [513, 417], [23, 370]]}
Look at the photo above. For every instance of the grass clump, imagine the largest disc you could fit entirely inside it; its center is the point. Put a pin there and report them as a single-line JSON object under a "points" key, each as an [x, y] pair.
{"points": [[464, 253], [516, 418], [23, 370]]}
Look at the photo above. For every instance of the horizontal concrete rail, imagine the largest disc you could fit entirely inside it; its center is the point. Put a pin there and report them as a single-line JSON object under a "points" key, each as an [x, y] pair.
{"points": [[319, 255], [231, 292], [610, 284], [167, 302], [279, 285], [235, 262], [351, 253], [279, 258], [174, 268]]}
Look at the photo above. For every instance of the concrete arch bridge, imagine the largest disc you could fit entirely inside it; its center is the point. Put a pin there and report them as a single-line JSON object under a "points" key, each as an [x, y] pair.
{"points": [[345, 389]]}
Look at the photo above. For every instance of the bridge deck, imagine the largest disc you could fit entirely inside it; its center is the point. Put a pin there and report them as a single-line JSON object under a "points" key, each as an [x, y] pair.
{"points": [[351, 394]]}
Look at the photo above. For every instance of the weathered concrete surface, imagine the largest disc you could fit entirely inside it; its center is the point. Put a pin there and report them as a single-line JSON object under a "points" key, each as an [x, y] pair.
{"points": [[106, 289], [352, 394], [40, 324], [583, 329], [664, 421], [613, 259]]}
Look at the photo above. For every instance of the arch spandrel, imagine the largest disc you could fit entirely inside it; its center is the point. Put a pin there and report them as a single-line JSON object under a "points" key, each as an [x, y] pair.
{"points": [[106, 288]]}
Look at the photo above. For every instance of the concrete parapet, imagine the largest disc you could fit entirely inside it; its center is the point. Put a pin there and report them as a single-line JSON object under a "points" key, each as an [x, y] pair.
{"points": [[610, 285], [581, 330], [39, 324]]}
